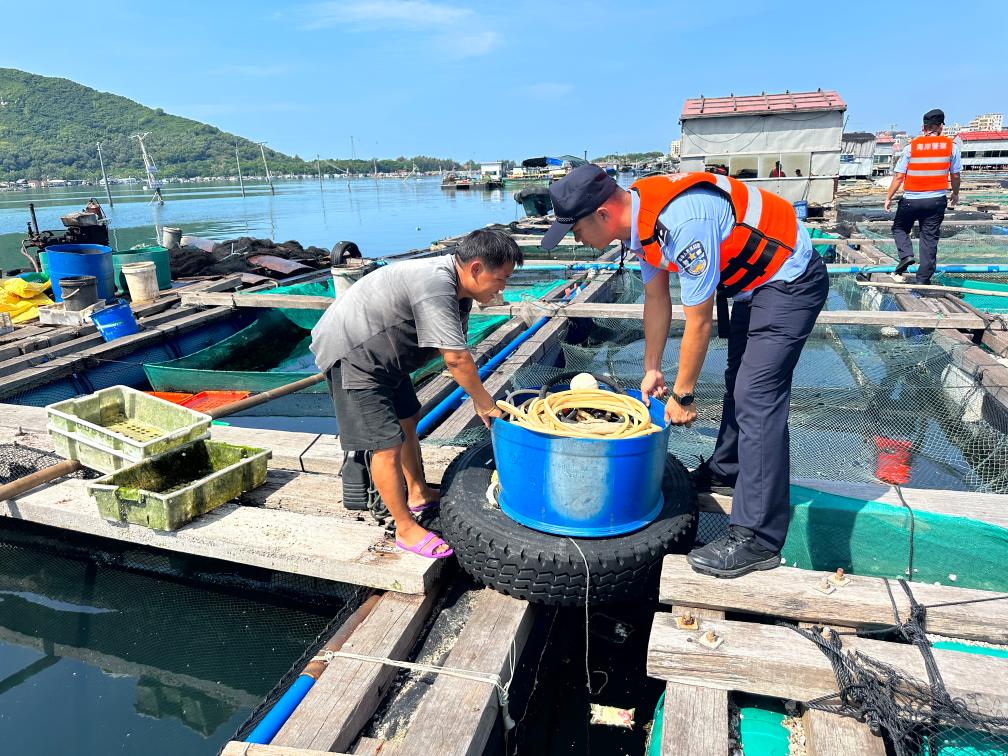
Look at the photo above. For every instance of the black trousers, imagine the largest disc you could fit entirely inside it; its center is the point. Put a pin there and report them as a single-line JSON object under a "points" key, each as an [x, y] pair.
{"points": [[753, 447], [929, 213]]}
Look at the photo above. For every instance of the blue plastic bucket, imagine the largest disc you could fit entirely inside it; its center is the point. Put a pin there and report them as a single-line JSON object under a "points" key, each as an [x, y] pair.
{"points": [[116, 321], [72, 260], [586, 488], [801, 209]]}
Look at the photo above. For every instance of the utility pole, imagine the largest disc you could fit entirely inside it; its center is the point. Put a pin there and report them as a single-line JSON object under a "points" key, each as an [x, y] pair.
{"points": [[318, 165], [353, 150], [101, 162], [269, 179], [241, 181], [152, 181]]}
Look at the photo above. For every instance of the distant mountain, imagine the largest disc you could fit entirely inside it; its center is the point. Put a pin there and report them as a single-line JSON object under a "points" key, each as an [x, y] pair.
{"points": [[49, 127]]}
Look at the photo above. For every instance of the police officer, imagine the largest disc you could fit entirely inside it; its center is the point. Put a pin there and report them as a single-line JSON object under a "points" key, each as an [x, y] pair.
{"points": [[923, 171], [724, 239]]}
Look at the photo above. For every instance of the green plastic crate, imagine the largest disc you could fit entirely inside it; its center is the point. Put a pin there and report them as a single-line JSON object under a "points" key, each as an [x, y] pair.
{"points": [[119, 426], [167, 492]]}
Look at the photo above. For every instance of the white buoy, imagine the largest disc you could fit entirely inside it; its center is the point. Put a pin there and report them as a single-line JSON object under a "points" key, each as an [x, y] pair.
{"points": [[583, 381]]}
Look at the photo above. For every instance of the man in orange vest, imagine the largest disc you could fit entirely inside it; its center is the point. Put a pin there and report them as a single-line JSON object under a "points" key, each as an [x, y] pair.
{"points": [[724, 238], [924, 171]]}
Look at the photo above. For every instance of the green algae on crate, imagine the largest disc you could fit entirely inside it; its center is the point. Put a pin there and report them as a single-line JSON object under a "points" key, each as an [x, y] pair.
{"points": [[169, 491]]}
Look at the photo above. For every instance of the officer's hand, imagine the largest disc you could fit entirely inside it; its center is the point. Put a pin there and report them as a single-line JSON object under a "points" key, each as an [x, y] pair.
{"points": [[953, 200], [676, 414], [888, 204], [653, 385], [488, 414]]}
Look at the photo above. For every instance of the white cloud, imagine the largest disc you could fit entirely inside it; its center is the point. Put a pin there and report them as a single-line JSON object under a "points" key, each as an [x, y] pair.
{"points": [[471, 45], [546, 90], [384, 13]]}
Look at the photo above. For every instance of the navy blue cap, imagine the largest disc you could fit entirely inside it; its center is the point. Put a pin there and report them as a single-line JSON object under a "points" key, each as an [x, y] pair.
{"points": [[581, 192], [934, 117]]}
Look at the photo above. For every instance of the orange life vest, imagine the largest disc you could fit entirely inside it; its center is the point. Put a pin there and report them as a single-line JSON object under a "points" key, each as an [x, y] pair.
{"points": [[930, 161], [764, 235]]}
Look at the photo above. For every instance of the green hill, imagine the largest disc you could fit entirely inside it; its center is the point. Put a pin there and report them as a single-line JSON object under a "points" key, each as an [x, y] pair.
{"points": [[49, 127]]}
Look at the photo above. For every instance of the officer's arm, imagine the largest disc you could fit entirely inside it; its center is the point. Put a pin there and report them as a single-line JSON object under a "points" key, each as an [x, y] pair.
{"points": [[657, 319], [695, 340]]}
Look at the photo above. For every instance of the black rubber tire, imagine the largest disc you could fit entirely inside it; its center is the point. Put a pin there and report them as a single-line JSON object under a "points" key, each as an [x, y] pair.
{"points": [[548, 569]]}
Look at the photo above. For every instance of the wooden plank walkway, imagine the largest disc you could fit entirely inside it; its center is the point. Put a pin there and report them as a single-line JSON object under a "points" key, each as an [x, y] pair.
{"points": [[459, 714], [237, 748], [776, 661], [966, 321], [332, 548], [349, 691], [862, 603]]}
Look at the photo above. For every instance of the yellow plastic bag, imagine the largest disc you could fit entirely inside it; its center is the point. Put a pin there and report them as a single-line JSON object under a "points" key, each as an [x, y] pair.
{"points": [[21, 299]]}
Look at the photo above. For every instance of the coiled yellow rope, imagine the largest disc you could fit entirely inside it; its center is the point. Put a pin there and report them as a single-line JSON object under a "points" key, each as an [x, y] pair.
{"points": [[543, 415]]}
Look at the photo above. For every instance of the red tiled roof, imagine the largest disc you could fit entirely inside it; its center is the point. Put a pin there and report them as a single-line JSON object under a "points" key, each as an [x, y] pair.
{"points": [[884, 140], [977, 136], [789, 102]]}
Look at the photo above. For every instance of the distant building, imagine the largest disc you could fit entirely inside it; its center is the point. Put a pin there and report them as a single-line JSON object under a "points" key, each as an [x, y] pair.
{"points": [[673, 149], [493, 170], [749, 136], [883, 158], [986, 122], [857, 154], [984, 150]]}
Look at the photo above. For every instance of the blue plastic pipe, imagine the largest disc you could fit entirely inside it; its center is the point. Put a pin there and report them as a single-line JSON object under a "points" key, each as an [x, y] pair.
{"points": [[456, 397], [270, 725], [834, 269]]}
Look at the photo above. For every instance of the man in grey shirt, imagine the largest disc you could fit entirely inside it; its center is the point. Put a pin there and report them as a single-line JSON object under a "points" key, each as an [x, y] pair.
{"points": [[387, 325]]}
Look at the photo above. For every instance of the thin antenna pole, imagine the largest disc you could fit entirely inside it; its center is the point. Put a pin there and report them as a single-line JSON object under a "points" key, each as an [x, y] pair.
{"points": [[318, 165], [151, 169], [269, 179], [101, 162], [241, 181]]}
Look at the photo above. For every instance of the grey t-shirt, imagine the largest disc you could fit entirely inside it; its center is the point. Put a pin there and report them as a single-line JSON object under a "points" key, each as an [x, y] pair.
{"points": [[392, 321]]}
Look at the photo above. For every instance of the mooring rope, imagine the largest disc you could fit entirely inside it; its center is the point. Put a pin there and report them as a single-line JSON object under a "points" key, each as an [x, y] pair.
{"points": [[490, 678]]}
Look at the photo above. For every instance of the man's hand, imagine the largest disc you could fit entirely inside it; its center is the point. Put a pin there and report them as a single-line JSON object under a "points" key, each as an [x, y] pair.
{"points": [[676, 414], [953, 200], [887, 204], [487, 414], [653, 385]]}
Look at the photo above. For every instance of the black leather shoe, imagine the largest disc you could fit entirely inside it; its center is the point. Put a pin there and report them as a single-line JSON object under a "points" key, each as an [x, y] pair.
{"points": [[904, 263], [734, 555], [704, 481]]}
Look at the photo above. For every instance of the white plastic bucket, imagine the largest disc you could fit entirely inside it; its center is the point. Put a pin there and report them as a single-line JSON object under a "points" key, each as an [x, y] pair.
{"points": [[343, 279], [141, 280], [170, 237]]}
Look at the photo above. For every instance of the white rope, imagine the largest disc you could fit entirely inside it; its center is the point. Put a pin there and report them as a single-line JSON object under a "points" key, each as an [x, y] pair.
{"points": [[490, 678]]}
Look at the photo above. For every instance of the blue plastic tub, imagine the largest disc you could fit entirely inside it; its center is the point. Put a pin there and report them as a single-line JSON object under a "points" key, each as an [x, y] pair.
{"points": [[116, 321], [801, 209], [581, 487], [66, 260]]}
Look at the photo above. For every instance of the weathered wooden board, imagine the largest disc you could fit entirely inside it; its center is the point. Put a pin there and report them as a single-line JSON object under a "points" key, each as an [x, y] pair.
{"points": [[347, 693], [829, 734], [776, 661], [288, 301], [693, 714], [325, 547], [863, 603], [839, 317], [457, 714], [237, 748]]}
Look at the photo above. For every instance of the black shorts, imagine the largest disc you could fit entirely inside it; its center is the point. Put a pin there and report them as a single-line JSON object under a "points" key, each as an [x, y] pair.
{"points": [[369, 418]]}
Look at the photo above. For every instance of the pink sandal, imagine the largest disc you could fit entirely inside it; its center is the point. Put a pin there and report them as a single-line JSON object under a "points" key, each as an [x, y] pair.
{"points": [[427, 506], [427, 546]]}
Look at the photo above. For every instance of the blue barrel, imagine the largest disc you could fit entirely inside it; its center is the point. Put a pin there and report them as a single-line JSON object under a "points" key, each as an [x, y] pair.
{"points": [[801, 209], [65, 260], [586, 488], [115, 321]]}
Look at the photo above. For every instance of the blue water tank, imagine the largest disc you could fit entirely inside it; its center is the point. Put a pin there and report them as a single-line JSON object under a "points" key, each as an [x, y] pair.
{"points": [[64, 260], [588, 488], [801, 209]]}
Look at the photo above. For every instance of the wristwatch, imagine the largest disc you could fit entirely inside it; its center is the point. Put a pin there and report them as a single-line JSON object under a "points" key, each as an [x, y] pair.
{"points": [[684, 400]]}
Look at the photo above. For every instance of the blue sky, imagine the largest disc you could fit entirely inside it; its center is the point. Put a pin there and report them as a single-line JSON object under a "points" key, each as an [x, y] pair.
{"points": [[512, 79]]}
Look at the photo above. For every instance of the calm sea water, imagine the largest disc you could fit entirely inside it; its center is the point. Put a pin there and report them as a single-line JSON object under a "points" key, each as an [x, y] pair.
{"points": [[383, 216]]}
